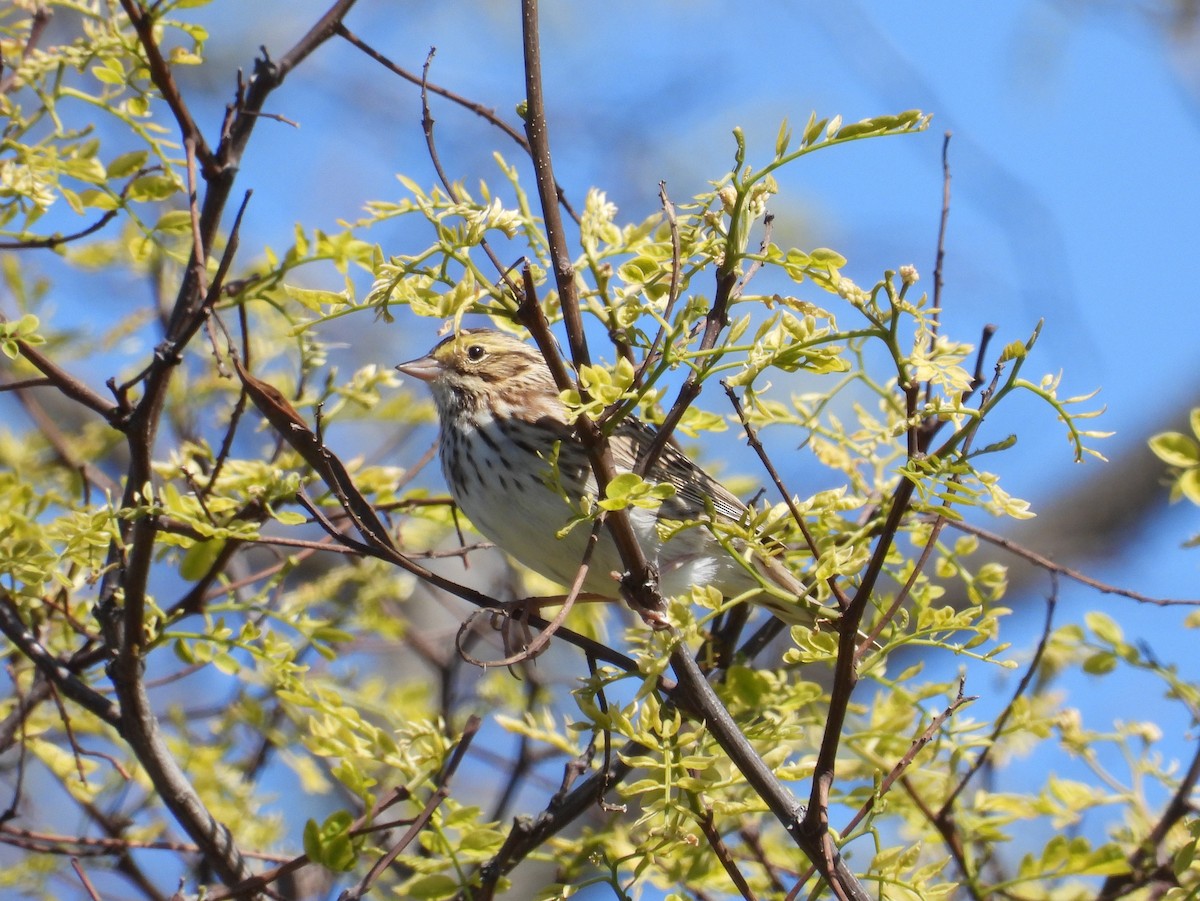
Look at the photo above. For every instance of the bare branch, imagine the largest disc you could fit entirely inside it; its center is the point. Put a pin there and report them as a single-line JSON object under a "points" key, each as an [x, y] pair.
{"points": [[1065, 571], [478, 109], [51, 667], [66, 383]]}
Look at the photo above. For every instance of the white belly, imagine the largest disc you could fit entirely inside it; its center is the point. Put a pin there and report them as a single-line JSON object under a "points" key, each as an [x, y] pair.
{"points": [[523, 515]]}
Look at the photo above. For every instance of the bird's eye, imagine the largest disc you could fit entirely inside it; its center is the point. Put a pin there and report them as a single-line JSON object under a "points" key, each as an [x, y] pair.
{"points": [[475, 353]]}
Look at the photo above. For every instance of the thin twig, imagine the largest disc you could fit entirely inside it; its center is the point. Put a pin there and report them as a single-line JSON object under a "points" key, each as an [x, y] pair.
{"points": [[1002, 720], [940, 256], [57, 240], [87, 883], [757, 446], [87, 846], [363, 825], [708, 825], [40, 18], [1065, 571], [653, 354], [51, 667], [478, 109], [66, 383], [440, 795], [1180, 806], [914, 749]]}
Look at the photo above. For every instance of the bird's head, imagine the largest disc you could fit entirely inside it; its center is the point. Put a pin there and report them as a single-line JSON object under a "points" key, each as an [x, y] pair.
{"points": [[477, 370]]}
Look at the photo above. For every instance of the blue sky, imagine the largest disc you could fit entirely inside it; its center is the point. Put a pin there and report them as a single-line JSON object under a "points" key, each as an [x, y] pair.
{"points": [[1075, 185], [1074, 196]]}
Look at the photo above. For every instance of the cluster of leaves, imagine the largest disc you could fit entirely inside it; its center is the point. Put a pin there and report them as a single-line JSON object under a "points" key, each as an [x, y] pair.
{"points": [[306, 659], [1182, 454]]}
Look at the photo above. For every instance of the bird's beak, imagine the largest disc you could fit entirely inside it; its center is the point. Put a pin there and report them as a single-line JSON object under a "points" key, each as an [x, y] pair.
{"points": [[425, 368]]}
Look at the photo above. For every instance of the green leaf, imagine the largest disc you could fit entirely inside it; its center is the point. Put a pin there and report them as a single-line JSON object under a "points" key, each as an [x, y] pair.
{"points": [[181, 56], [1183, 858], [175, 222], [153, 187], [127, 163], [109, 74], [432, 887], [783, 138], [199, 559], [98, 200], [812, 131], [859, 129], [1013, 350], [1175, 449], [1189, 484], [1100, 664], [86, 169], [1104, 627], [823, 256], [329, 844], [313, 299]]}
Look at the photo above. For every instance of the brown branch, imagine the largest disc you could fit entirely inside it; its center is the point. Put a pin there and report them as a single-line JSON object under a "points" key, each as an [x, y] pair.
{"points": [[639, 583], [57, 240], [901, 766], [914, 749], [752, 840], [537, 132], [85, 846], [708, 825], [757, 446], [714, 322], [115, 826], [906, 589], [530, 834], [940, 256], [51, 667], [694, 688], [67, 384], [48, 426], [200, 246], [130, 557], [37, 26], [25, 702], [139, 727], [952, 839], [816, 819], [87, 883], [164, 80], [653, 354]]}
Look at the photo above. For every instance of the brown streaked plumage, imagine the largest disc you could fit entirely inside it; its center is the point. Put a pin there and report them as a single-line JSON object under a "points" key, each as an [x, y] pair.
{"points": [[501, 416]]}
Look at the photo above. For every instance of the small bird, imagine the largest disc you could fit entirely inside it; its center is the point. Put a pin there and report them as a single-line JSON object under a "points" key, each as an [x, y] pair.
{"points": [[512, 459]]}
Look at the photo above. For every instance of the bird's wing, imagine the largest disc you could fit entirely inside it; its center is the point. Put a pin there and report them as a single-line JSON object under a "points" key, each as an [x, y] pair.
{"points": [[695, 489]]}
